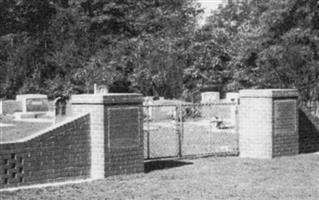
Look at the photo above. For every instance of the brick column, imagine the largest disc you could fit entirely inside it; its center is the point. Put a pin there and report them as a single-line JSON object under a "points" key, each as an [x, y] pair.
{"points": [[268, 123], [116, 132]]}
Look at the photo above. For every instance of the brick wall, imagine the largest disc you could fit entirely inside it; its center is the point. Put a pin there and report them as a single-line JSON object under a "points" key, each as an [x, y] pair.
{"points": [[58, 154], [124, 150], [308, 132], [116, 132], [285, 145], [285, 136], [268, 123]]}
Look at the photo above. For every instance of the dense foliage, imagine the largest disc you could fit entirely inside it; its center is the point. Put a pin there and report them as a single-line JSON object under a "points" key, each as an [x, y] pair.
{"points": [[60, 47], [272, 44]]}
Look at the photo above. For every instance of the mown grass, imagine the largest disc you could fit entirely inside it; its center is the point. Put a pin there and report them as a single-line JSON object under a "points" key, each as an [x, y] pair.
{"points": [[232, 178], [19, 129]]}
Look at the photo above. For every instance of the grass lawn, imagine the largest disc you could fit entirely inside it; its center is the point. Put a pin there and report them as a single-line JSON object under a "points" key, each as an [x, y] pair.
{"points": [[232, 178], [19, 129]]}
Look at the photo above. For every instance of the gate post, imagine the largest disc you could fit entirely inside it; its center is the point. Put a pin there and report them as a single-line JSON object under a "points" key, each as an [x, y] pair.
{"points": [[268, 123], [116, 131], [179, 128]]}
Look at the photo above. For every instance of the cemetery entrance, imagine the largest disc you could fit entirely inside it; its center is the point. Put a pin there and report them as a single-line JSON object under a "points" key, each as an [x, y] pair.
{"points": [[190, 130]]}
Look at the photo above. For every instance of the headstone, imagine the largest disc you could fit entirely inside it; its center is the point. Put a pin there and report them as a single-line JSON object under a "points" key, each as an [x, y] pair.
{"points": [[33, 102], [100, 89], [209, 97]]}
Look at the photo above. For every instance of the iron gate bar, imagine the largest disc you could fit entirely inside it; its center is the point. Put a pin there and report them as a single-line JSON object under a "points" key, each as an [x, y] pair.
{"points": [[179, 130], [148, 137]]}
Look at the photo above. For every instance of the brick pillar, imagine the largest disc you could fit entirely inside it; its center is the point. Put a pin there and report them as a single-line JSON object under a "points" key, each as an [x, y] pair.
{"points": [[268, 123], [116, 132]]}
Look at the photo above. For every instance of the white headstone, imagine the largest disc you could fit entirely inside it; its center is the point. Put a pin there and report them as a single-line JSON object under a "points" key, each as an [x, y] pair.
{"points": [[33, 102], [101, 89], [208, 97]]}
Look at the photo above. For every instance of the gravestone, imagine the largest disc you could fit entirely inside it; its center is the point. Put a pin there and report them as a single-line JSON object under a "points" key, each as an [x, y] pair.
{"points": [[101, 89], [33, 102], [209, 97], [33, 106]]}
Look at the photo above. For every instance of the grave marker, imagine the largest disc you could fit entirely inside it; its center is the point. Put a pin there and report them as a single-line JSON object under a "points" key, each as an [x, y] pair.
{"points": [[33, 102]]}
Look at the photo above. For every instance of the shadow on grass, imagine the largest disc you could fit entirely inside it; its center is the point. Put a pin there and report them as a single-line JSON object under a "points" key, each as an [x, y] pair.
{"points": [[163, 164]]}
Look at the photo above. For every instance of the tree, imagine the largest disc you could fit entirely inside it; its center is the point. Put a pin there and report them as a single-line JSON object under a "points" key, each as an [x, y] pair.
{"points": [[281, 46], [268, 44], [59, 47]]}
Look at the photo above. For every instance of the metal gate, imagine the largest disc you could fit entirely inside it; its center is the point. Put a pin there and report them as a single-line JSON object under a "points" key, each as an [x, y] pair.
{"points": [[190, 130]]}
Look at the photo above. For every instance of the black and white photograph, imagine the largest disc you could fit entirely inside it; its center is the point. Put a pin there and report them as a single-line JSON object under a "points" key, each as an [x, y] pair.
{"points": [[159, 99]]}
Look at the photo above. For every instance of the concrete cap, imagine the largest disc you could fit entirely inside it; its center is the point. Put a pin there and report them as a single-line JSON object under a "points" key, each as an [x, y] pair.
{"points": [[109, 98], [31, 96], [269, 93]]}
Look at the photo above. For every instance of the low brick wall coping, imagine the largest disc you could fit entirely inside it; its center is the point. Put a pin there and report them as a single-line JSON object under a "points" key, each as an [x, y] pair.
{"points": [[269, 93], [41, 132]]}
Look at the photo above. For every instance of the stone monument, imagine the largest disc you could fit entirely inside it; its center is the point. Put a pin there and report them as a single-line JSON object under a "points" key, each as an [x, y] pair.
{"points": [[33, 102], [33, 105], [101, 89], [208, 97]]}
